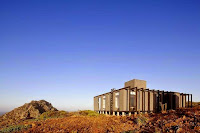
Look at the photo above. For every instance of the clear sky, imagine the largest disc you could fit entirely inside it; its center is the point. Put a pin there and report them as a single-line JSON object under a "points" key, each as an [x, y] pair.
{"points": [[67, 52]]}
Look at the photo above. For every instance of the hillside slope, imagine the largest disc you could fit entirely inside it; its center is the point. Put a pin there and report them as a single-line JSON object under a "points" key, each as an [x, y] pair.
{"points": [[28, 111]]}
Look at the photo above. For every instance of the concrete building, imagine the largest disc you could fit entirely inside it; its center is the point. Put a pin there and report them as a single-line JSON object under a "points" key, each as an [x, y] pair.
{"points": [[136, 98]]}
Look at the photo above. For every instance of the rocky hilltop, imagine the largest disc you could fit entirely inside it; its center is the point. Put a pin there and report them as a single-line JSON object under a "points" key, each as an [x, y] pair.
{"points": [[29, 110]]}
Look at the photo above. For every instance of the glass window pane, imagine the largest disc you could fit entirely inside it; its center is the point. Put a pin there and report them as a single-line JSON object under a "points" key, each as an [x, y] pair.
{"points": [[117, 100]]}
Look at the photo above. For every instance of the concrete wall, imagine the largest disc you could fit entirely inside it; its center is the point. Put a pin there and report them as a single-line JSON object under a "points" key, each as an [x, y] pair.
{"points": [[182, 97], [101, 103], [139, 101], [122, 100], [151, 101], [146, 101], [96, 103], [184, 101], [178, 99], [96, 108], [136, 83], [108, 102], [114, 109], [127, 107]]}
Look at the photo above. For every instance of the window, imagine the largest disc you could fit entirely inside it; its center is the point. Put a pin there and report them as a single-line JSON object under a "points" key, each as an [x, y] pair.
{"points": [[104, 102], [117, 100], [99, 103], [132, 99], [132, 93]]}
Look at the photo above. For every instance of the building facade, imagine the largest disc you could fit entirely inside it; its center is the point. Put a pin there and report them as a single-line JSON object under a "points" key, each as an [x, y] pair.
{"points": [[136, 98]]}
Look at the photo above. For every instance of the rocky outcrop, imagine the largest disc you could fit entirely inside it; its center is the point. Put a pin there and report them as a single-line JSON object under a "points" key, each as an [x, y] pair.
{"points": [[29, 110]]}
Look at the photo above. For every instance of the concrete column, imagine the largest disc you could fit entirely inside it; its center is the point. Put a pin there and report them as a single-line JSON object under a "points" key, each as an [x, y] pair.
{"points": [[188, 100], [148, 101], [106, 113], [129, 113], [191, 100], [165, 106], [123, 114], [117, 113], [163, 99], [158, 101], [185, 101], [135, 113], [102, 112], [182, 99], [128, 96], [171, 99], [142, 99], [136, 99]]}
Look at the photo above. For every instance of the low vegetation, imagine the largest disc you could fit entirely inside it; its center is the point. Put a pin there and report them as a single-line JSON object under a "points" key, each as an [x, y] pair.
{"points": [[179, 121], [53, 114], [88, 113], [15, 128], [195, 104]]}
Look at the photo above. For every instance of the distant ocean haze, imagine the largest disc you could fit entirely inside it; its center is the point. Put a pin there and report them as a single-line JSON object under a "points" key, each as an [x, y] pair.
{"points": [[2, 113]]}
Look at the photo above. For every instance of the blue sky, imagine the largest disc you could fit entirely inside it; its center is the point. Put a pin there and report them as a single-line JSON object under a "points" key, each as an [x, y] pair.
{"points": [[66, 52]]}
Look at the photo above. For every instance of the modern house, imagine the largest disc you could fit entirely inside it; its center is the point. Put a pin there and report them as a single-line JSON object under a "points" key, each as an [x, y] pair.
{"points": [[136, 98]]}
